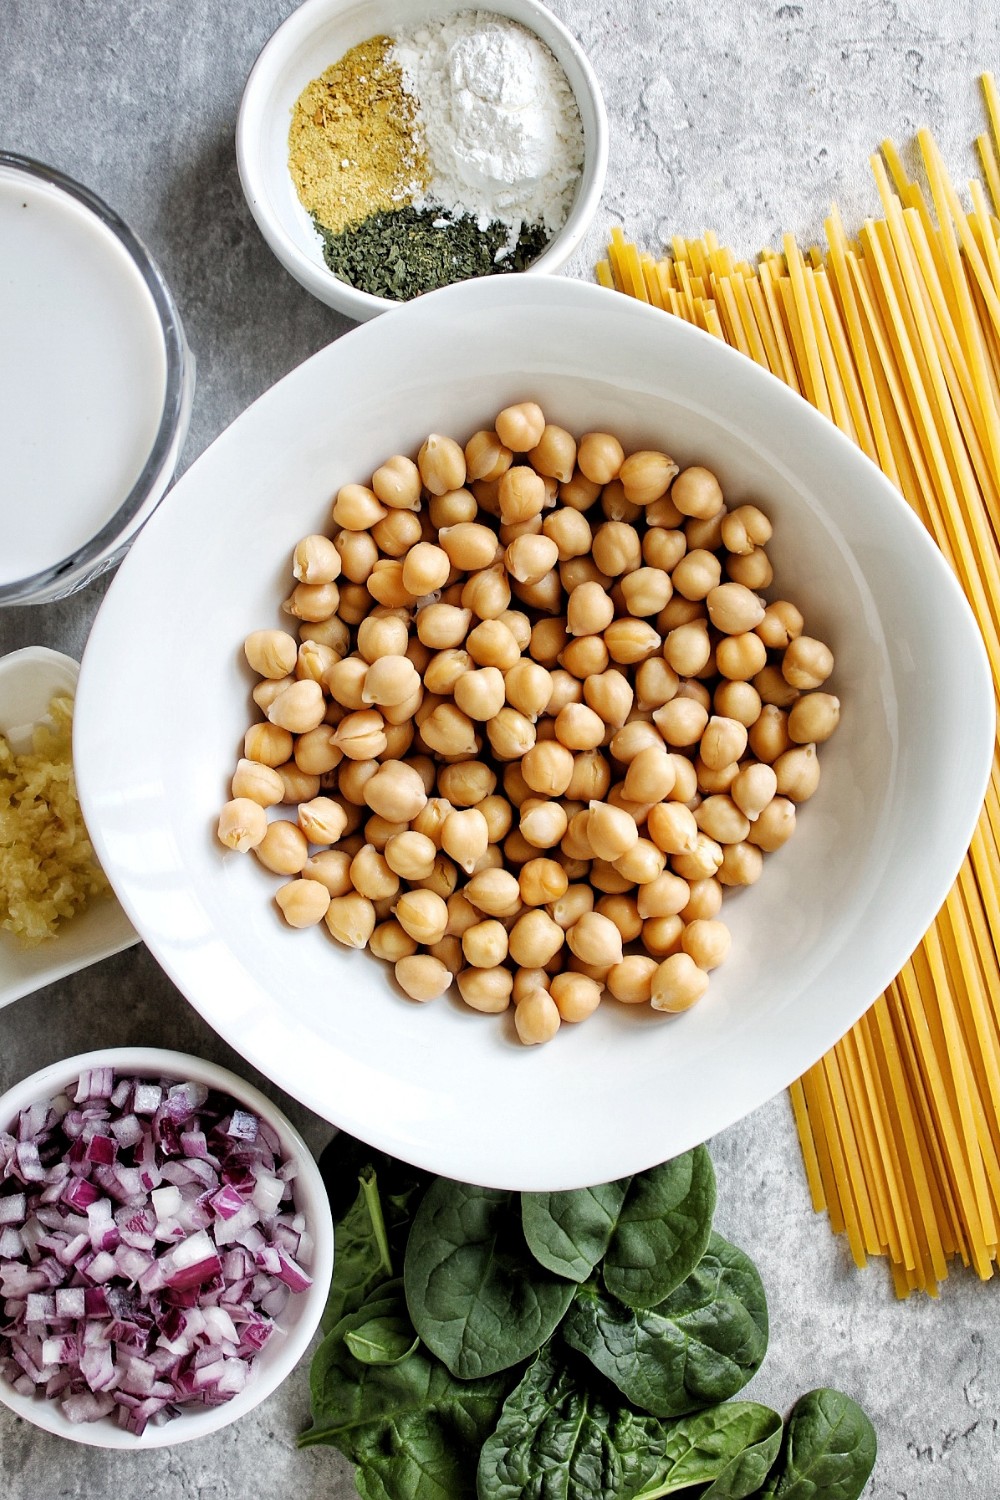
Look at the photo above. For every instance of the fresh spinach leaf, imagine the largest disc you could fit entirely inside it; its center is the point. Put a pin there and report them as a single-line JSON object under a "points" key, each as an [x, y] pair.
{"points": [[566, 1435], [733, 1446], [662, 1230], [362, 1258], [828, 1452], [569, 1232], [411, 1430], [477, 1297], [386, 1336], [699, 1346]]}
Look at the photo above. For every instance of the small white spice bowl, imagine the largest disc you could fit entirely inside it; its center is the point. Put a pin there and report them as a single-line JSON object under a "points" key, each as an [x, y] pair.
{"points": [[29, 680], [317, 35], [300, 1319]]}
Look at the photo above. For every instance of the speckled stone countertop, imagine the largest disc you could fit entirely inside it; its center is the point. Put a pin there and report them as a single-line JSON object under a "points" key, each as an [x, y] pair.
{"points": [[748, 118]]}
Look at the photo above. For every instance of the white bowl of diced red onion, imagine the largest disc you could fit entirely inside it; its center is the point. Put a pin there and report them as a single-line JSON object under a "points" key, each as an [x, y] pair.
{"points": [[166, 1247]]}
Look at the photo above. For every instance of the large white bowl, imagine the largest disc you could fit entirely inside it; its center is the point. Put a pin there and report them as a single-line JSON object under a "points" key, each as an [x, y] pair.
{"points": [[164, 701], [304, 46], [298, 1322]]}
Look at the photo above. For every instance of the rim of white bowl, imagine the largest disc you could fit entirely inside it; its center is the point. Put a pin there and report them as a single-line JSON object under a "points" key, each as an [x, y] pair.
{"points": [[321, 282], [265, 1375]]}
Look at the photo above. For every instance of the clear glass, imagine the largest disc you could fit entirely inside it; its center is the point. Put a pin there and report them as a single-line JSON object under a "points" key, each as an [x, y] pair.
{"points": [[107, 545]]}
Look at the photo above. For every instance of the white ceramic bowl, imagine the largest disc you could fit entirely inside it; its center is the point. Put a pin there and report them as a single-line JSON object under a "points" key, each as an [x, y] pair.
{"points": [[316, 35], [838, 910], [303, 1311], [29, 679]]}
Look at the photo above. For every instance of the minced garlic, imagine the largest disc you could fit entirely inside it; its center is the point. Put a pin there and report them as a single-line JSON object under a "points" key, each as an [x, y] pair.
{"points": [[48, 870]]}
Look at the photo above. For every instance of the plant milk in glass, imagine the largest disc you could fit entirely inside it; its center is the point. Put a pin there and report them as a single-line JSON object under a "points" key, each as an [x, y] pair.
{"points": [[82, 375]]}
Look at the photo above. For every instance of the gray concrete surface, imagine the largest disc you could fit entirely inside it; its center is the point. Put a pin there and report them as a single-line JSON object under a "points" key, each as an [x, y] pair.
{"points": [[749, 118]]}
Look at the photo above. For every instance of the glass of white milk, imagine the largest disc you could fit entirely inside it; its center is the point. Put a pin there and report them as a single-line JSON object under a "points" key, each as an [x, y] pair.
{"points": [[96, 384]]}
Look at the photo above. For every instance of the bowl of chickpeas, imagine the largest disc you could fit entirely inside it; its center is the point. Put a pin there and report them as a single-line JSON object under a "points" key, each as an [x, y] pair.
{"points": [[583, 734]]}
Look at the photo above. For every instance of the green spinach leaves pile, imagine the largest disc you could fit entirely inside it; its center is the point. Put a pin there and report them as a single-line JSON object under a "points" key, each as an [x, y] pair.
{"points": [[486, 1345]]}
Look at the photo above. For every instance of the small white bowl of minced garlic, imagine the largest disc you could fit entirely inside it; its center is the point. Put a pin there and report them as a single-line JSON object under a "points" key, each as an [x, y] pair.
{"points": [[389, 148]]}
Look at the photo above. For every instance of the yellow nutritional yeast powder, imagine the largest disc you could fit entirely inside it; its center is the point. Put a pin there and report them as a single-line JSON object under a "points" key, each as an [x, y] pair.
{"points": [[354, 143]]}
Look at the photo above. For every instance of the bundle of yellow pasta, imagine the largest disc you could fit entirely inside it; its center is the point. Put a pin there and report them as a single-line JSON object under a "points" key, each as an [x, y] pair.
{"points": [[895, 336]]}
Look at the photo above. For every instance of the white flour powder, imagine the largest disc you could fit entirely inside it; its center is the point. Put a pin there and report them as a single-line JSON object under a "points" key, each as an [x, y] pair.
{"points": [[499, 121]]}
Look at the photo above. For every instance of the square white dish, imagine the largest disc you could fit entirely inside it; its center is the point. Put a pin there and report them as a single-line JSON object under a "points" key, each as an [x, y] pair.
{"points": [[814, 941], [29, 679]]}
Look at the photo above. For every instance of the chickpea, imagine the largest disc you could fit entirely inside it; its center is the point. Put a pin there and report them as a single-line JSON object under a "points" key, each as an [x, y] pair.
{"points": [[355, 602], [737, 700], [744, 528], [243, 824], [422, 976], [797, 773], [697, 492], [283, 848], [395, 536], [606, 879], [753, 789], [303, 903], [322, 820], [677, 984], [537, 1018], [579, 493], [571, 905], [753, 571], [722, 820], [465, 836], [529, 559], [312, 601], [548, 637], [577, 570], [807, 663], [650, 776], [621, 909], [442, 464], [661, 936], [345, 681], [570, 531], [496, 892], [697, 574], [769, 736], [646, 591], [774, 825], [487, 593], [511, 734], [707, 942], [590, 779], [271, 653], [734, 609], [600, 456], [579, 727], [499, 817], [449, 731], [813, 718], [453, 508], [469, 546], [542, 881], [554, 455], [299, 707], [357, 508], [332, 868], [662, 548], [461, 916], [516, 789], [610, 831], [491, 644], [631, 738], [395, 791], [742, 864], [617, 548], [334, 633], [643, 863], [390, 942], [535, 939], [258, 783], [486, 457], [681, 722], [589, 610], [646, 475], [316, 560], [665, 896], [423, 914], [703, 860], [385, 583], [723, 741], [397, 483], [631, 981], [595, 939], [610, 695], [358, 555], [442, 625], [528, 687], [390, 680], [485, 944], [520, 427], [705, 900], [543, 823], [371, 875], [672, 828], [771, 687], [361, 736], [547, 768], [444, 670], [521, 495], [782, 624], [481, 694], [424, 569], [352, 778], [741, 657], [576, 997], [467, 783], [378, 831], [630, 641], [679, 611], [486, 989], [410, 855], [314, 660]]}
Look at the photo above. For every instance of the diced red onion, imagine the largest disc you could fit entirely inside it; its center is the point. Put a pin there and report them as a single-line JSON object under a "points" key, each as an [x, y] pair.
{"points": [[146, 1247]]}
